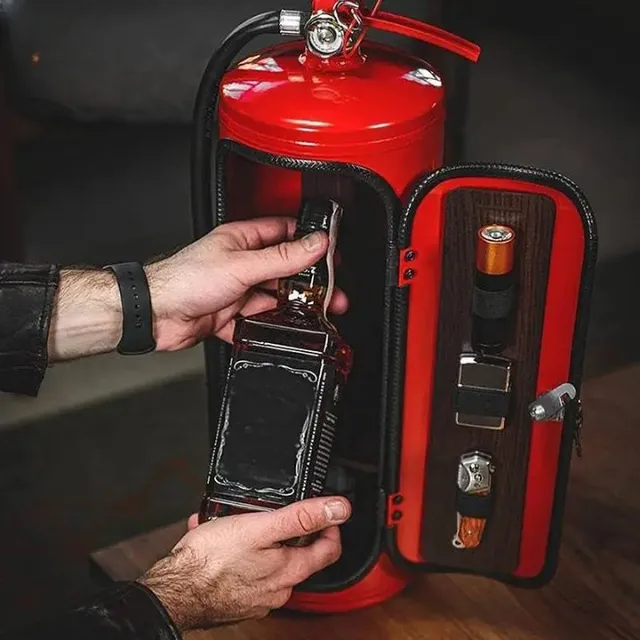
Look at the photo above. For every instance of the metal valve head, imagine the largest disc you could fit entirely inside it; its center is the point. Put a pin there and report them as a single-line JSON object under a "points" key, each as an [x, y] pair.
{"points": [[325, 35]]}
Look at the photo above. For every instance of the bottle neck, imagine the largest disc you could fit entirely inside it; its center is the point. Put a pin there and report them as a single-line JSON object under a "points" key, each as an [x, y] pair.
{"points": [[311, 290], [306, 292]]}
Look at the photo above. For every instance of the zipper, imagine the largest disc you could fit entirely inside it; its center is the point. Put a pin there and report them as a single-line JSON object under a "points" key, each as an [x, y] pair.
{"points": [[577, 430], [547, 178]]}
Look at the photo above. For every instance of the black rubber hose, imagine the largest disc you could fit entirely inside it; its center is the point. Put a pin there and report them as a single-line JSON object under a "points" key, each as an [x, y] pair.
{"points": [[204, 114]]}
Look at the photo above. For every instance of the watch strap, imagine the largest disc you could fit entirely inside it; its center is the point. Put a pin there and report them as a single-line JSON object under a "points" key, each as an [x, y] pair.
{"points": [[137, 314]]}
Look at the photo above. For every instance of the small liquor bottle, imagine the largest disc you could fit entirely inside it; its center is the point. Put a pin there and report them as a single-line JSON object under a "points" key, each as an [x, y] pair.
{"points": [[286, 373]]}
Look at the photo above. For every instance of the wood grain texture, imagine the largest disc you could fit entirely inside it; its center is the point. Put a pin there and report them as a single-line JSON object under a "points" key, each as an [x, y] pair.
{"points": [[594, 596], [532, 217]]}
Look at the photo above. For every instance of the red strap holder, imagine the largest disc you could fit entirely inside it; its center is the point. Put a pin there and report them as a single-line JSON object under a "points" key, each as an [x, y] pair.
{"points": [[404, 26], [417, 30]]}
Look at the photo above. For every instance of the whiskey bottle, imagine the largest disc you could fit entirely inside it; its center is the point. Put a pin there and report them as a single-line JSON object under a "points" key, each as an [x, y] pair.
{"points": [[287, 369]]}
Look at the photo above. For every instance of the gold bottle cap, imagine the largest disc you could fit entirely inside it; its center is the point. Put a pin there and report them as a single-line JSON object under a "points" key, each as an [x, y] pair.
{"points": [[496, 245]]}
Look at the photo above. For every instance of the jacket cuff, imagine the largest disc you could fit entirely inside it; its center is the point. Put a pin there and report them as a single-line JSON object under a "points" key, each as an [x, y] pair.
{"points": [[134, 612], [27, 293], [125, 611]]}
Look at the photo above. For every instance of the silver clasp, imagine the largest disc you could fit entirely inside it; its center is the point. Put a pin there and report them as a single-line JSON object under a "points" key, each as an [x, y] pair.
{"points": [[551, 405], [354, 10]]}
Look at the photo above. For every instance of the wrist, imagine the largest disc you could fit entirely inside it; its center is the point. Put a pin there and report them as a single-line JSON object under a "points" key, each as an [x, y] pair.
{"points": [[162, 308], [87, 315], [166, 580]]}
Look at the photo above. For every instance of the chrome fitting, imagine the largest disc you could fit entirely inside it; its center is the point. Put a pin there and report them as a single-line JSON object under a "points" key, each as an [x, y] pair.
{"points": [[291, 23], [325, 35]]}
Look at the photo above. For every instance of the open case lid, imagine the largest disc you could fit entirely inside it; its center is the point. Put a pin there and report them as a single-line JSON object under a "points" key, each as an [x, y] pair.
{"points": [[555, 256]]}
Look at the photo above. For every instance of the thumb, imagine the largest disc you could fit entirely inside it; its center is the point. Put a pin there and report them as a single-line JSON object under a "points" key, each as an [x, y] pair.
{"points": [[300, 519], [285, 259]]}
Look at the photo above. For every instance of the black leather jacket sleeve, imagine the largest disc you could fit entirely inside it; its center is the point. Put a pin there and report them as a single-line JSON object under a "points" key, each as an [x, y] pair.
{"points": [[27, 293], [128, 611]]}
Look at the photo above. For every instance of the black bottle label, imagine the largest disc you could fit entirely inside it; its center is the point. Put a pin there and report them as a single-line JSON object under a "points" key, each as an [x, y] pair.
{"points": [[275, 436], [266, 423]]}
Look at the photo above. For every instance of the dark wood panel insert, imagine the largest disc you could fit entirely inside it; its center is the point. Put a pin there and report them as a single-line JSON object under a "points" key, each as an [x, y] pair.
{"points": [[533, 218]]}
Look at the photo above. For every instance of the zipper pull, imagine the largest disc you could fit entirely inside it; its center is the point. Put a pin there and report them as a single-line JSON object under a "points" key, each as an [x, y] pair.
{"points": [[404, 26], [551, 406]]}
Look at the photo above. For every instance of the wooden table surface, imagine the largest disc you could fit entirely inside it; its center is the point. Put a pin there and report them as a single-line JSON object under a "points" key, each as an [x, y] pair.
{"points": [[595, 595]]}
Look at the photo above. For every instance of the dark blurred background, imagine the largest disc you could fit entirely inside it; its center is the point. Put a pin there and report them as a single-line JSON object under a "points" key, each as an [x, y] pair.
{"points": [[94, 151]]}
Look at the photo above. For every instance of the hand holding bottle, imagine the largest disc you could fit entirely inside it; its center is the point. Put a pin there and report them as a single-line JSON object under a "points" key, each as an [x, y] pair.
{"points": [[198, 291], [237, 568]]}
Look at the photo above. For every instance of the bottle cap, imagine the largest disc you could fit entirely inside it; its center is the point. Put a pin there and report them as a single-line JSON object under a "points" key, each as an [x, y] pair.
{"points": [[496, 248]]}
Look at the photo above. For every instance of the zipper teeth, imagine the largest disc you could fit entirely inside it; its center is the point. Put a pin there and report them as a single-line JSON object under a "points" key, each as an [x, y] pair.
{"points": [[498, 170], [393, 210]]}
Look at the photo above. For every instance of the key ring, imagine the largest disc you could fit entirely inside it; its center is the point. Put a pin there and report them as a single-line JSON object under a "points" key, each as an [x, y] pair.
{"points": [[354, 10], [353, 32]]}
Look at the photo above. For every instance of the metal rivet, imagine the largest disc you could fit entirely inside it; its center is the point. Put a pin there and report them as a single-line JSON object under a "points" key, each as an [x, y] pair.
{"points": [[397, 515], [409, 274], [537, 412], [397, 500], [410, 256]]}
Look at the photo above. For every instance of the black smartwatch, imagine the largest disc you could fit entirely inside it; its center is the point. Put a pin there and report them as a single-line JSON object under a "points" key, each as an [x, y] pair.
{"points": [[137, 315]]}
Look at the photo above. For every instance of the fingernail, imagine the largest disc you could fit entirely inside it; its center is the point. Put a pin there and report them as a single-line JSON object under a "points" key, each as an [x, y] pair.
{"points": [[336, 511], [313, 241]]}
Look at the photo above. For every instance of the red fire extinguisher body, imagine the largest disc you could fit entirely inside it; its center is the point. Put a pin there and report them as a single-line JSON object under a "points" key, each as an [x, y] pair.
{"points": [[385, 114], [373, 106]]}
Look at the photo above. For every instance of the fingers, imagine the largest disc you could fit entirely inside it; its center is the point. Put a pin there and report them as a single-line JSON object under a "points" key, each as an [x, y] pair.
{"points": [[272, 285], [278, 261], [339, 301], [259, 233], [280, 598], [296, 520], [192, 522], [307, 561], [257, 302]]}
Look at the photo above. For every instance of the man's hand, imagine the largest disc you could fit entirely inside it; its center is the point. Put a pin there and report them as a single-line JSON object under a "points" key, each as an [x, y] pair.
{"points": [[237, 568], [195, 293], [233, 270]]}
